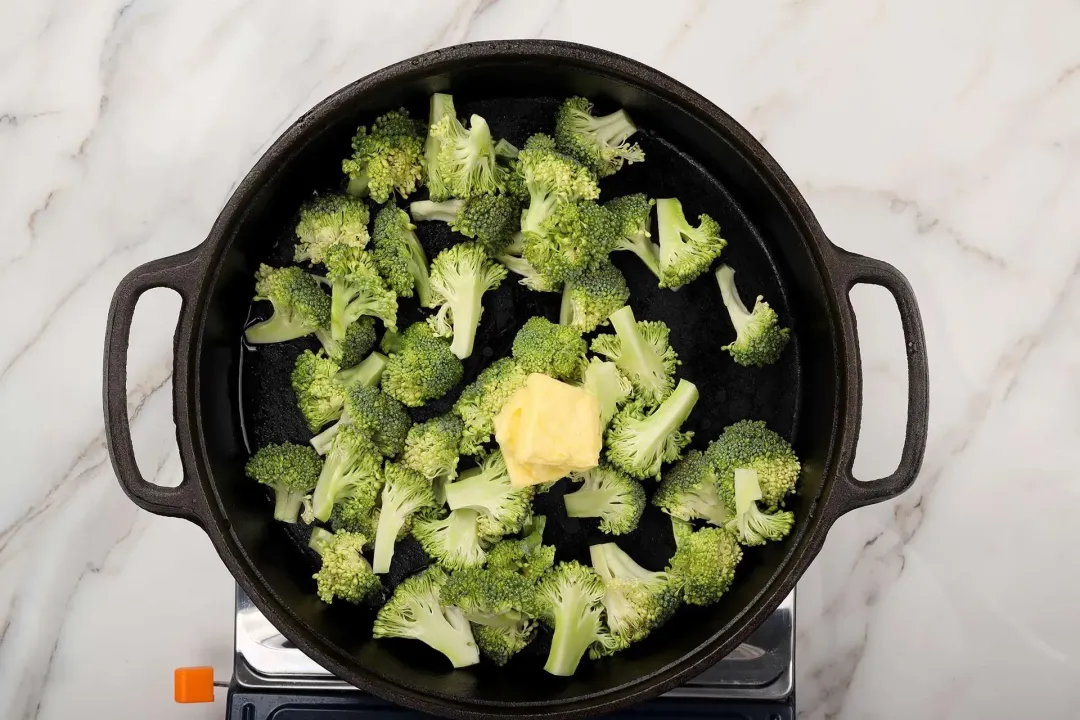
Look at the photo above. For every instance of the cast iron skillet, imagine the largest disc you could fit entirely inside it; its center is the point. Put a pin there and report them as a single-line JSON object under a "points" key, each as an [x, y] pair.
{"points": [[227, 400]]}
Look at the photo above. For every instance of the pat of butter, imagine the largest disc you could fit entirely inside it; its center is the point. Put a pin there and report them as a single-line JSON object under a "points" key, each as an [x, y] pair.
{"points": [[522, 475], [507, 423]]}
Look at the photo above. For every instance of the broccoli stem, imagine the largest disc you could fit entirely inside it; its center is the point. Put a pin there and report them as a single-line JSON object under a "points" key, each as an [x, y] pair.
{"points": [[287, 504], [470, 492], [449, 637], [613, 129], [672, 412], [645, 249], [466, 319], [390, 523], [367, 373], [277, 328], [358, 184], [576, 626], [325, 493], [587, 503], [321, 442], [319, 539], [636, 353], [566, 308], [418, 268], [740, 316], [436, 211], [541, 206]]}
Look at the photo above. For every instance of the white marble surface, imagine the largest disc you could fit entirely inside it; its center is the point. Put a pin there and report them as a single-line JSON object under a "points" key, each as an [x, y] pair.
{"points": [[939, 136]]}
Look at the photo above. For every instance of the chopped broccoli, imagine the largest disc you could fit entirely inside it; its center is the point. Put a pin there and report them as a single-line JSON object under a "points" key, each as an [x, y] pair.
{"points": [[431, 448], [541, 346], [691, 490], [416, 612], [440, 108], [388, 159], [599, 142], [502, 636], [569, 599], [639, 444], [319, 395], [367, 373], [752, 445], [404, 493], [353, 468], [454, 541], [328, 220], [637, 600], [750, 525], [703, 565], [356, 289], [300, 305], [290, 471], [460, 275], [575, 238], [759, 339], [482, 400], [588, 301], [344, 572], [643, 352], [493, 600], [358, 514], [608, 386], [527, 555], [465, 163], [685, 251], [376, 414], [550, 179], [530, 276], [399, 255], [490, 219], [610, 495], [504, 509], [634, 213], [422, 368], [359, 339]]}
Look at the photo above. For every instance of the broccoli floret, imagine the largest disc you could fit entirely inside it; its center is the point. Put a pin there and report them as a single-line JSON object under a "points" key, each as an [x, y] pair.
{"points": [[431, 448], [423, 368], [588, 301], [643, 352], [530, 276], [290, 471], [685, 251], [460, 275], [319, 395], [752, 445], [482, 400], [404, 493], [415, 611], [453, 541], [541, 346], [759, 339], [608, 386], [634, 212], [599, 142], [503, 508], [527, 556], [359, 339], [503, 636], [465, 163], [637, 600], [492, 220], [440, 108], [610, 495], [357, 514], [399, 255], [357, 289], [569, 599], [691, 490], [574, 239], [387, 159], [374, 413], [353, 468], [329, 220], [550, 179], [703, 565], [344, 572], [367, 373], [639, 444], [494, 601], [300, 305], [750, 525]]}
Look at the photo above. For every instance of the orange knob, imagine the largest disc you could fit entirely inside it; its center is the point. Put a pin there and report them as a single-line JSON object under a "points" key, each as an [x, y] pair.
{"points": [[193, 685]]}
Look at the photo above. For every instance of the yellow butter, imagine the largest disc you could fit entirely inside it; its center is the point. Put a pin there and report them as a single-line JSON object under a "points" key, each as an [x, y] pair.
{"points": [[559, 425], [522, 475]]}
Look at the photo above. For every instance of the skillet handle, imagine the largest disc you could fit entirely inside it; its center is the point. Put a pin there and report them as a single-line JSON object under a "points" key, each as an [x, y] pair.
{"points": [[853, 269], [181, 273]]}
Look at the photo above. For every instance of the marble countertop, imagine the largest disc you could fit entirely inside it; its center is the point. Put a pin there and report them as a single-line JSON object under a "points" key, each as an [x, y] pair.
{"points": [[938, 136]]}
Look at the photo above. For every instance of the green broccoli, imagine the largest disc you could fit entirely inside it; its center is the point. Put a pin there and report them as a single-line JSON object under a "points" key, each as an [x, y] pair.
{"points": [[530, 276], [759, 339], [388, 159], [367, 373], [636, 600], [634, 213], [431, 448], [404, 493], [643, 352], [527, 555], [504, 509], [356, 289], [569, 599], [374, 413], [750, 525], [358, 514], [598, 142], [588, 301], [703, 565], [574, 239], [415, 611], [691, 490], [541, 346], [321, 386], [328, 220], [608, 386], [353, 468], [482, 400], [399, 255], [610, 495], [290, 471], [492, 220], [359, 339], [685, 251], [550, 179], [344, 572], [639, 444], [465, 163], [460, 276], [440, 108], [453, 541], [752, 445], [494, 601], [422, 369], [300, 305]]}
